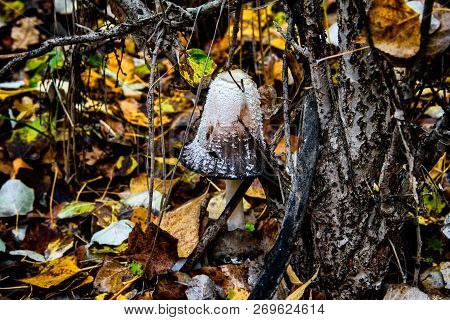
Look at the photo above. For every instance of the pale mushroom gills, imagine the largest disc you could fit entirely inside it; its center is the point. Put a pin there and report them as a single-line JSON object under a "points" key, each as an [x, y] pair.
{"points": [[229, 140]]}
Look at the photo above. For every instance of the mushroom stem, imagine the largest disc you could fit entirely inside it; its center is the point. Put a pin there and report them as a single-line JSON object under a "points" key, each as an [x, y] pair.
{"points": [[236, 220]]}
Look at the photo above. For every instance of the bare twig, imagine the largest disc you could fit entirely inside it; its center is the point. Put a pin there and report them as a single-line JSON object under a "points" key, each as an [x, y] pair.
{"points": [[237, 20], [47, 46]]}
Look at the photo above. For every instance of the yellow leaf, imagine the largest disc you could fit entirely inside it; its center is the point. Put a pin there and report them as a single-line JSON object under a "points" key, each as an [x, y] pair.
{"points": [[238, 294], [183, 223], [440, 168], [256, 190], [54, 272], [9, 93], [139, 184], [293, 277], [298, 293], [125, 165]]}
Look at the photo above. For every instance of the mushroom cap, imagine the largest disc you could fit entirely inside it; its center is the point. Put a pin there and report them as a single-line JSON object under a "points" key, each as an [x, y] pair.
{"points": [[229, 142]]}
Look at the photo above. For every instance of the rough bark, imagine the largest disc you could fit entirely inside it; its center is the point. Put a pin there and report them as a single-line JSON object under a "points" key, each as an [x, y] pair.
{"points": [[348, 221]]}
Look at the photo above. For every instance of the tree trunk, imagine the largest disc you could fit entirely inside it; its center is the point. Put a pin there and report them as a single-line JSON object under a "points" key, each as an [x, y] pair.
{"points": [[347, 232]]}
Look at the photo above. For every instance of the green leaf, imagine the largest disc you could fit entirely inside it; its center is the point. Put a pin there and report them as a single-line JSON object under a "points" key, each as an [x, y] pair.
{"points": [[196, 63], [35, 63], [75, 209], [136, 268], [57, 61], [432, 200], [250, 227]]}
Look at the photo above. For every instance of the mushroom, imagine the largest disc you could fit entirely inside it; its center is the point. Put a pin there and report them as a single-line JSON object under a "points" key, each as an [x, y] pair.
{"points": [[229, 140]]}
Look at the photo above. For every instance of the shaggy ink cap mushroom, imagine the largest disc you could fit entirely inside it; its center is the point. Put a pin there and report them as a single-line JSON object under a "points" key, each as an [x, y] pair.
{"points": [[229, 140]]}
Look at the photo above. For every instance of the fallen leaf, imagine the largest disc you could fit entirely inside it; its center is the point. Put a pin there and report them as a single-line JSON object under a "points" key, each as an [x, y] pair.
{"points": [[15, 198], [29, 254], [183, 223], [238, 294], [141, 199], [17, 165], [163, 250], [54, 273], [111, 277], [298, 293], [75, 209], [194, 64], [27, 142], [256, 190], [171, 286], [125, 166], [58, 247], [141, 182], [395, 28], [404, 292], [439, 40], [24, 33], [114, 234], [217, 204], [202, 287]]}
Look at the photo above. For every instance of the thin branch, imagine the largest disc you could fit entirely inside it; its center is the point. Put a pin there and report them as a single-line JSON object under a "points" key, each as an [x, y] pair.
{"points": [[47, 46]]}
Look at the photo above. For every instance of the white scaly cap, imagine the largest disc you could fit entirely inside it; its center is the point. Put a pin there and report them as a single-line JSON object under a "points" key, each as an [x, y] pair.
{"points": [[229, 140]]}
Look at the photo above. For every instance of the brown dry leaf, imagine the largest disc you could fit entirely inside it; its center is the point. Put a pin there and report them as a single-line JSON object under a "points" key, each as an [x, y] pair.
{"points": [[54, 273], [440, 40], [183, 223], [164, 253], [139, 183], [111, 276], [24, 33], [229, 277], [91, 157], [395, 28], [171, 286]]}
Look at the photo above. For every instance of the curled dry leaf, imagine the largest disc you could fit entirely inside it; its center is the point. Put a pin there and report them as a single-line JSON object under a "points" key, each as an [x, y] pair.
{"points": [[395, 28]]}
